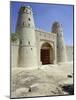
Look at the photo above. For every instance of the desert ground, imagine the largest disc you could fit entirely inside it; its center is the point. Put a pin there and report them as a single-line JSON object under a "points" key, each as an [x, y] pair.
{"points": [[47, 80]]}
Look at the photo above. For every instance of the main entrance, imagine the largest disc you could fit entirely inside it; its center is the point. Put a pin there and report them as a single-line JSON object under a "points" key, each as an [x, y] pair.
{"points": [[46, 54]]}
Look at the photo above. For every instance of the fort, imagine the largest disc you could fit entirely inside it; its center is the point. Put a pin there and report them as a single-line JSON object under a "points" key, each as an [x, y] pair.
{"points": [[41, 62], [36, 47]]}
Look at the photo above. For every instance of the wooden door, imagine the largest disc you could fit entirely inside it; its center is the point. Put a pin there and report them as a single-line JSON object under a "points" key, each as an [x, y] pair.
{"points": [[45, 56]]}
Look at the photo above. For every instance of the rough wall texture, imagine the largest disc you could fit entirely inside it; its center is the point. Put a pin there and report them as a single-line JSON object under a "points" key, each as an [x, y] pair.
{"points": [[26, 29], [61, 51], [15, 51], [69, 50], [14, 54]]}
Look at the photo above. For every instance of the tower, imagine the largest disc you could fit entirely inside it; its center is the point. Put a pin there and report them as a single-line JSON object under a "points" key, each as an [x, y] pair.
{"points": [[27, 45], [61, 50]]}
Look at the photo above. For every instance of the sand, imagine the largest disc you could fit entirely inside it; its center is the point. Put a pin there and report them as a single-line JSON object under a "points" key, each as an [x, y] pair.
{"points": [[47, 80]]}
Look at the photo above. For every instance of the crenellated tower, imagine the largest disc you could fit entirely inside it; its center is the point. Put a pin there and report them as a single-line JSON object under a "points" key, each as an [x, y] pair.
{"points": [[61, 49], [27, 39]]}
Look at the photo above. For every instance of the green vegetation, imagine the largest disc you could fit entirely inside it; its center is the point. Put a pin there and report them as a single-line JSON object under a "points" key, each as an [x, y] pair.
{"points": [[14, 37]]}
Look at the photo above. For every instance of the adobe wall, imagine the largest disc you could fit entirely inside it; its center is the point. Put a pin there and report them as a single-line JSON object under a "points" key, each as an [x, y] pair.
{"points": [[14, 54], [69, 50], [15, 51]]}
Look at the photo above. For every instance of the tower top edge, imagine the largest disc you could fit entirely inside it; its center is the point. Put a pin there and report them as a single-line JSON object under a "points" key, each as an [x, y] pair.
{"points": [[23, 7], [56, 23], [57, 27]]}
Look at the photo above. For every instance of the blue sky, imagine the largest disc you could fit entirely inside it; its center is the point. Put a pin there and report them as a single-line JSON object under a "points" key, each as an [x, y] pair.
{"points": [[45, 15]]}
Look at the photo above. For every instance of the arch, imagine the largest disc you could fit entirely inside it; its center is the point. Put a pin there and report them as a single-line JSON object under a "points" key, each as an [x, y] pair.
{"points": [[46, 54]]}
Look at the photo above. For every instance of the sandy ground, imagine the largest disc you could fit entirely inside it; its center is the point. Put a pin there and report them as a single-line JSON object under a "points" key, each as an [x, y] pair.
{"points": [[44, 81]]}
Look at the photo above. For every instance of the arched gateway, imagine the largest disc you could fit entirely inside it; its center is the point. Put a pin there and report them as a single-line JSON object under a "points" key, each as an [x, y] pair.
{"points": [[47, 54]]}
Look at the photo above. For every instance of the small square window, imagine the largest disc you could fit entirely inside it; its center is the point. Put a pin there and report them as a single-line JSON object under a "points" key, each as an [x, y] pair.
{"points": [[20, 41], [31, 48], [29, 19], [29, 42], [23, 23], [30, 12], [28, 24]]}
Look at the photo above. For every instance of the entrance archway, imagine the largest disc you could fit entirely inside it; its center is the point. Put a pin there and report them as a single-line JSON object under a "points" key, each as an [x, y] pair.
{"points": [[47, 54]]}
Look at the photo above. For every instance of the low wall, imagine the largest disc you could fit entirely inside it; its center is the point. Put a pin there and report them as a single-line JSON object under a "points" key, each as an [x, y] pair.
{"points": [[15, 51], [14, 54], [69, 51]]}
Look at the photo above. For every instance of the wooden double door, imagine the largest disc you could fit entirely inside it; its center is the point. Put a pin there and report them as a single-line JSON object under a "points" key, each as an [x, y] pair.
{"points": [[45, 56]]}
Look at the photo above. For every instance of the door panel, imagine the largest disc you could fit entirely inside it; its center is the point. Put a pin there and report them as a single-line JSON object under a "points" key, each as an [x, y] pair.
{"points": [[45, 56]]}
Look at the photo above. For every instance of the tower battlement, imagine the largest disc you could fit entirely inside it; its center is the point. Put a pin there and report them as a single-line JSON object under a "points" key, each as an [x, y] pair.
{"points": [[25, 9], [56, 27]]}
